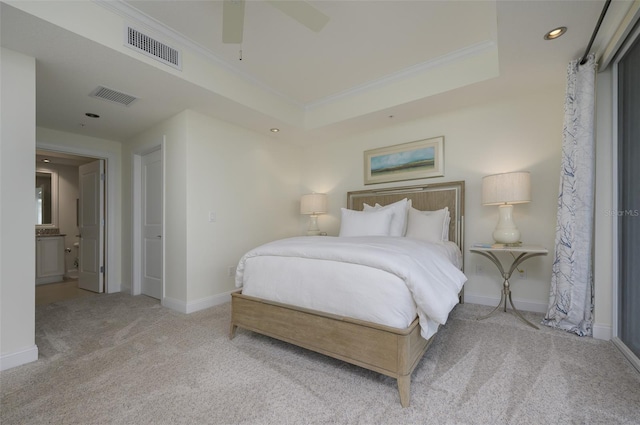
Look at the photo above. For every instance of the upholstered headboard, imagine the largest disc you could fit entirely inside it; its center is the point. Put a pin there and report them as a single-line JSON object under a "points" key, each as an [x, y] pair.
{"points": [[424, 197]]}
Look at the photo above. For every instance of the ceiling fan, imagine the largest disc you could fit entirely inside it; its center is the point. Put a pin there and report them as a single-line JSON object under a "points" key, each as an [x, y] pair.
{"points": [[300, 10]]}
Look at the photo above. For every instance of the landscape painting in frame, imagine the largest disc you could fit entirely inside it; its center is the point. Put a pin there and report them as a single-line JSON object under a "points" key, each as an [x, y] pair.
{"points": [[408, 161]]}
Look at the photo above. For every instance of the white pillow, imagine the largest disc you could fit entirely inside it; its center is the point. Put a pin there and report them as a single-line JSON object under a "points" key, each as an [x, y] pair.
{"points": [[399, 220], [361, 223], [445, 230], [432, 226]]}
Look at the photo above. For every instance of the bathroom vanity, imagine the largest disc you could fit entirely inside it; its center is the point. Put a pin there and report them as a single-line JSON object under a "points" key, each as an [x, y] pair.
{"points": [[49, 258]]}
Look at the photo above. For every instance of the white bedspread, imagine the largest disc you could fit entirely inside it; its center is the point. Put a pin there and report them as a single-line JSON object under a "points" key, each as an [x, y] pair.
{"points": [[425, 268]]}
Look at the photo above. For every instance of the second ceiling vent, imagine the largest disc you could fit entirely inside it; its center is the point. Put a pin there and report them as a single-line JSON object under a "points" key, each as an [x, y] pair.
{"points": [[113, 96]]}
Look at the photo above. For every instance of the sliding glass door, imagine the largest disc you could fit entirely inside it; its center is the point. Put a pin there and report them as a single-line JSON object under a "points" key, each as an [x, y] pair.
{"points": [[629, 197]]}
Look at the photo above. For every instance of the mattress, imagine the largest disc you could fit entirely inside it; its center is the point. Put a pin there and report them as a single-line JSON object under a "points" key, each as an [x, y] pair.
{"points": [[376, 279]]}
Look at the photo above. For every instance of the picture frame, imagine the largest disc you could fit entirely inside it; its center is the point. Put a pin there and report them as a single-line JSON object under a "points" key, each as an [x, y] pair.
{"points": [[408, 161]]}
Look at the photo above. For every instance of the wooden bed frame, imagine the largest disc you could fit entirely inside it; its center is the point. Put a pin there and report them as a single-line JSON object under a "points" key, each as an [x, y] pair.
{"points": [[389, 351]]}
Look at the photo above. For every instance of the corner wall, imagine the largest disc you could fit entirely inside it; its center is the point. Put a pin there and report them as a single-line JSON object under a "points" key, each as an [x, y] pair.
{"points": [[251, 183], [17, 227]]}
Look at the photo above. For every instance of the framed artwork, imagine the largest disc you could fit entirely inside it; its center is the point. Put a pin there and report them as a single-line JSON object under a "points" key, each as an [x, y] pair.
{"points": [[409, 161]]}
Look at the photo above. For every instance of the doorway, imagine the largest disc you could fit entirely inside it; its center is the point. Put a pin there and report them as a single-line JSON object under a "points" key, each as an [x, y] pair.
{"points": [[112, 171], [148, 221], [66, 255]]}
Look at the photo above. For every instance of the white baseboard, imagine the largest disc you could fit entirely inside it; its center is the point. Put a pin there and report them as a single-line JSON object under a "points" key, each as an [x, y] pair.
{"points": [[193, 306], [524, 305], [114, 287], [18, 358], [177, 305], [633, 359], [603, 332]]}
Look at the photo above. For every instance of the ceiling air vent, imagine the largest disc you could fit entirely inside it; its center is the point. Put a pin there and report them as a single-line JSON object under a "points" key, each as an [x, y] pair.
{"points": [[152, 48], [113, 96]]}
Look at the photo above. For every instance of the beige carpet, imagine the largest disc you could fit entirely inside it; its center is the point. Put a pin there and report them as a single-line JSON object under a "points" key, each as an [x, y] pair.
{"points": [[117, 359], [59, 291]]}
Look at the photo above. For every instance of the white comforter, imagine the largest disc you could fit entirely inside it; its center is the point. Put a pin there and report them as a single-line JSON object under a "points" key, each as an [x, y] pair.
{"points": [[432, 279]]}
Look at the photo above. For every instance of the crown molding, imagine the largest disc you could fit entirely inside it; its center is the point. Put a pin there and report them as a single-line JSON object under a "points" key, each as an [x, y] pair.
{"points": [[441, 61]]}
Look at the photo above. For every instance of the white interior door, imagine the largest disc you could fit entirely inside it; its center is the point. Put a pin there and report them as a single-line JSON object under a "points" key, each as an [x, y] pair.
{"points": [[151, 192], [91, 224]]}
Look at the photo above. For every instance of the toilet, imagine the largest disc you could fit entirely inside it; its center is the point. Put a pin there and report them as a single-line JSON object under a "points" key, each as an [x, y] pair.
{"points": [[73, 273]]}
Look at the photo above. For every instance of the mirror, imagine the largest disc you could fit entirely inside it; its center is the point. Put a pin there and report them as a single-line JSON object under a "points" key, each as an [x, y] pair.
{"points": [[46, 198]]}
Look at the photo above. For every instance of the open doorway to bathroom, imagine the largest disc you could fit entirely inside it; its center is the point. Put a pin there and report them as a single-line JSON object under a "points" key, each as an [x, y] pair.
{"points": [[59, 261]]}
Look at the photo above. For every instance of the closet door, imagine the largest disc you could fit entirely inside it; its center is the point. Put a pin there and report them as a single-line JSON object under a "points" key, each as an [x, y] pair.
{"points": [[629, 197]]}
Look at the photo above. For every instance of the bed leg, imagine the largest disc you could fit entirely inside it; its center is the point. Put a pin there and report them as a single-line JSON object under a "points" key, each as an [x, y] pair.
{"points": [[232, 331], [404, 387]]}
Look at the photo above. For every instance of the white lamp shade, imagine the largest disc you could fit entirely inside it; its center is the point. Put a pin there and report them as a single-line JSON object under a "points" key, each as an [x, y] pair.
{"points": [[506, 188], [313, 203]]}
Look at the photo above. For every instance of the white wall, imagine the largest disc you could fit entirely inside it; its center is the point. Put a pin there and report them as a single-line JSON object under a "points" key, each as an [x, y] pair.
{"points": [[17, 227], [521, 133], [250, 181]]}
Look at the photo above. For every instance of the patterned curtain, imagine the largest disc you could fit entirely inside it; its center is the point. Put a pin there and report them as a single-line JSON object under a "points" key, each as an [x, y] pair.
{"points": [[570, 300]]}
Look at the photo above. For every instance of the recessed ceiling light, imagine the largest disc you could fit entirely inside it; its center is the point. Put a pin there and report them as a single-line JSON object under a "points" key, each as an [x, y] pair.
{"points": [[90, 115], [274, 130], [555, 33], [46, 160]]}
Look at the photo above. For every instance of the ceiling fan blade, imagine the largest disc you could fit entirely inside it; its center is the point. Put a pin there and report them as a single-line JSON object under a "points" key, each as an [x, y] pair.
{"points": [[232, 21], [302, 12]]}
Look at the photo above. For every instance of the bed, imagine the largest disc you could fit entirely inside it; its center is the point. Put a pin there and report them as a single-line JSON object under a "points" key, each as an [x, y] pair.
{"points": [[392, 346]]}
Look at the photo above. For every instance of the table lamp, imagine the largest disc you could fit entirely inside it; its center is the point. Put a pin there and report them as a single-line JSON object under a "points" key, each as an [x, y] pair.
{"points": [[505, 190], [313, 204]]}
